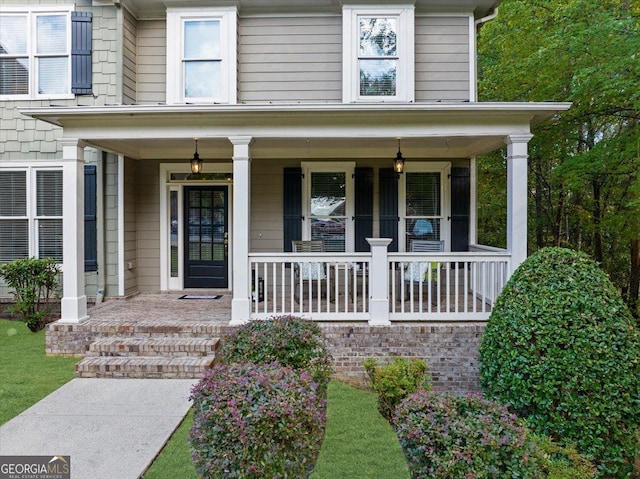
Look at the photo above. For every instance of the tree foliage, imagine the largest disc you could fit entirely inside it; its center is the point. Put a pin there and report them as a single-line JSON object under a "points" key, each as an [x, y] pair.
{"points": [[584, 185]]}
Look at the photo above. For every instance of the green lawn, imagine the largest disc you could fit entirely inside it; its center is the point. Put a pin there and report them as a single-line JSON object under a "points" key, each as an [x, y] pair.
{"points": [[359, 443], [26, 373]]}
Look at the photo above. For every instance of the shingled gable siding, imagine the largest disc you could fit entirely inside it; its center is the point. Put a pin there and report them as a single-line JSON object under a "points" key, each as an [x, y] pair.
{"points": [[24, 139], [442, 58]]}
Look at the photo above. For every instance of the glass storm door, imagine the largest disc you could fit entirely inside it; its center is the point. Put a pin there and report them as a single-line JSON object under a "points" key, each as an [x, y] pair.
{"points": [[206, 237]]}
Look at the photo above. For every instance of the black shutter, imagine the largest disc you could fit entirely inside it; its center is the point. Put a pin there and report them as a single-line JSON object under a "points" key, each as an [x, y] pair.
{"points": [[364, 207], [90, 225], [460, 205], [81, 53], [292, 206], [389, 206]]}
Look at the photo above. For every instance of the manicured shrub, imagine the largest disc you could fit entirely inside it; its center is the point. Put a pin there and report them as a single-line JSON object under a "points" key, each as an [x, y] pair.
{"points": [[291, 341], [394, 381], [562, 349], [446, 436], [562, 462], [33, 281], [254, 421]]}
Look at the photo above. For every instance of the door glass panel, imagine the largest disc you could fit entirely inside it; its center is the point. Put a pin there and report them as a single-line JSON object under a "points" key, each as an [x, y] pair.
{"points": [[173, 232], [206, 252]]}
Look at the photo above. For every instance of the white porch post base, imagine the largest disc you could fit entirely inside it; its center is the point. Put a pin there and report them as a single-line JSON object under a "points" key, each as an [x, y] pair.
{"points": [[240, 311], [74, 302], [379, 301], [74, 310]]}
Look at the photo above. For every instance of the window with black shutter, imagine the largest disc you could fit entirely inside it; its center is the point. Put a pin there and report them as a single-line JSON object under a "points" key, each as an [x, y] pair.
{"points": [[81, 46], [90, 217], [389, 206], [363, 207], [292, 207]]}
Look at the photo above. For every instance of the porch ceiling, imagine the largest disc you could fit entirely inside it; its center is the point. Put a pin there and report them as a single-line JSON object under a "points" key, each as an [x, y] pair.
{"points": [[440, 130]]}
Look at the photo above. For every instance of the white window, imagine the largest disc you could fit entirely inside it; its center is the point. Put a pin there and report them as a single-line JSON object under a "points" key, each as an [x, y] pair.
{"points": [[30, 214], [424, 211], [35, 53], [328, 204], [378, 54], [201, 55]]}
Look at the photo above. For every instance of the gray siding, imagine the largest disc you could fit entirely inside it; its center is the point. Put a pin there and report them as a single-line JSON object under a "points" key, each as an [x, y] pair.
{"points": [[152, 60], [290, 59], [129, 58], [442, 58], [110, 178], [131, 233], [147, 226]]}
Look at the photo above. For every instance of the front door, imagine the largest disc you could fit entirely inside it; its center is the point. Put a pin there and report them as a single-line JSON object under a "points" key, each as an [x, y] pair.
{"points": [[206, 237]]}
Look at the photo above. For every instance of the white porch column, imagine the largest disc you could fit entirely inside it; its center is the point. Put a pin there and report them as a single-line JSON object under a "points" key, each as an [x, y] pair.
{"points": [[379, 301], [517, 198], [241, 302], [74, 301]]}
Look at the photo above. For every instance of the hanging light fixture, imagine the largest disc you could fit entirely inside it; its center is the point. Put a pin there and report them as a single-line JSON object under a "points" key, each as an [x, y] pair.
{"points": [[196, 162], [398, 161]]}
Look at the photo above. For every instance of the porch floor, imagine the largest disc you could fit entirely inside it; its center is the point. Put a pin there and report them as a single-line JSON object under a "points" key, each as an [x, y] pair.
{"points": [[165, 307]]}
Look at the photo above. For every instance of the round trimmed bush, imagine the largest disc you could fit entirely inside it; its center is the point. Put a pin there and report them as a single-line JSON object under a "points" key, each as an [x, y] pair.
{"points": [[562, 349], [395, 380], [290, 340], [254, 421], [447, 436]]}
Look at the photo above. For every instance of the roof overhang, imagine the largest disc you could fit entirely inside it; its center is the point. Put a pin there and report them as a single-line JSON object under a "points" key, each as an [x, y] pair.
{"points": [[330, 130], [148, 9]]}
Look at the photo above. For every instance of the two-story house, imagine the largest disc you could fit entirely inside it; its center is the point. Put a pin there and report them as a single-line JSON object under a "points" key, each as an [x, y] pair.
{"points": [[195, 141]]}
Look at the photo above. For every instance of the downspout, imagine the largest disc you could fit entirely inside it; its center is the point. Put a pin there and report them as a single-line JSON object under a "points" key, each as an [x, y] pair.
{"points": [[477, 25]]}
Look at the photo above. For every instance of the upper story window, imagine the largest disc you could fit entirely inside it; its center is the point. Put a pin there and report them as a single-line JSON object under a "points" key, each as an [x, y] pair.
{"points": [[378, 49], [201, 55], [35, 53]]}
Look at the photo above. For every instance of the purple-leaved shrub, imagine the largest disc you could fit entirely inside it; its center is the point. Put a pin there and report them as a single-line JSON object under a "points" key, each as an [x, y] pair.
{"points": [[446, 436], [256, 421], [290, 340]]}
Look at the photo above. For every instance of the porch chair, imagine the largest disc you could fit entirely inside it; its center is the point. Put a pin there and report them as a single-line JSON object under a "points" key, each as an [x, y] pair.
{"points": [[417, 272], [309, 271]]}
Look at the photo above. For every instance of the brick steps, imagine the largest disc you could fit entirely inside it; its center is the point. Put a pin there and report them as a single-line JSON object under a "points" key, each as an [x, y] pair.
{"points": [[143, 367], [166, 347], [149, 349]]}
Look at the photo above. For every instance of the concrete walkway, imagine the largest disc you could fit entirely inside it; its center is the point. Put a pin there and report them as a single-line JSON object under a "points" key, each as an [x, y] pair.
{"points": [[111, 428]]}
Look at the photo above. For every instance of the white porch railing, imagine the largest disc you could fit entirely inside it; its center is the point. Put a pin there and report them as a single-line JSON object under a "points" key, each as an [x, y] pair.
{"points": [[445, 286], [419, 286], [332, 286]]}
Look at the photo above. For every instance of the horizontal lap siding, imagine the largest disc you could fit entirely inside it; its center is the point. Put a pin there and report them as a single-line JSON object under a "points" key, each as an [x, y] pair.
{"points": [[129, 60], [266, 204], [152, 59], [290, 59], [147, 227], [442, 58]]}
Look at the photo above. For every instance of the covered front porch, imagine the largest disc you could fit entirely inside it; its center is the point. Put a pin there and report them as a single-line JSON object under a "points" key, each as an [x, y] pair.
{"points": [[370, 275]]}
